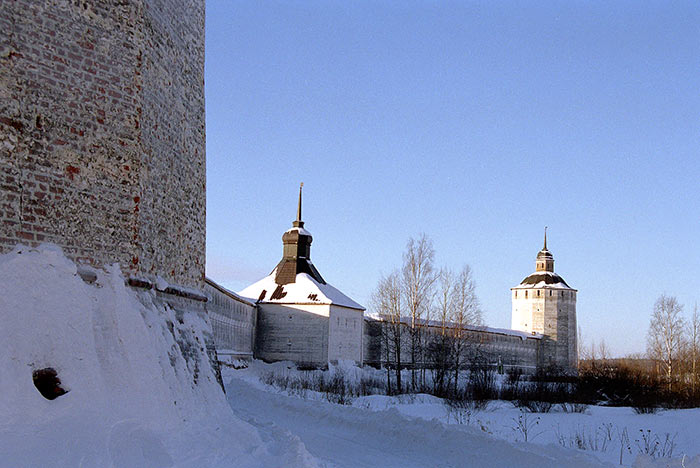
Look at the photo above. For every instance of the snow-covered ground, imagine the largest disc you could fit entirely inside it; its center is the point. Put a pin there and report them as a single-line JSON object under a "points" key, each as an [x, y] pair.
{"points": [[420, 430], [138, 395], [141, 393]]}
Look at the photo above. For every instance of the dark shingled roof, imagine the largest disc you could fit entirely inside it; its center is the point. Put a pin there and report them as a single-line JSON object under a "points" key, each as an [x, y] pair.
{"points": [[287, 270], [547, 277]]}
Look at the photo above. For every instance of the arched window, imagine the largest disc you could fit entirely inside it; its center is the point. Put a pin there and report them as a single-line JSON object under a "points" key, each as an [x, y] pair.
{"points": [[516, 294], [538, 293], [525, 294]]}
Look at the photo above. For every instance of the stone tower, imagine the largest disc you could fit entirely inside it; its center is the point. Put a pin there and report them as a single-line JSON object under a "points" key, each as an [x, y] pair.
{"points": [[544, 303], [102, 145]]}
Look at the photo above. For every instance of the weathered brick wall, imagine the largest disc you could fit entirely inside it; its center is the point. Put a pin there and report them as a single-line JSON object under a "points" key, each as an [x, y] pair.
{"points": [[102, 132]]}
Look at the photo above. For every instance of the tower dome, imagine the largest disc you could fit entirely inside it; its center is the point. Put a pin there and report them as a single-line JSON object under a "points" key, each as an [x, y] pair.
{"points": [[544, 275]]}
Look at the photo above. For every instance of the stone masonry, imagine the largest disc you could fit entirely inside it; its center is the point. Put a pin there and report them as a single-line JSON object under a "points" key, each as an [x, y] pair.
{"points": [[102, 137]]}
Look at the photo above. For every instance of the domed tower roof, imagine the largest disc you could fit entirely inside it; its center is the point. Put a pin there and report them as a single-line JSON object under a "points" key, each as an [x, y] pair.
{"points": [[544, 275]]}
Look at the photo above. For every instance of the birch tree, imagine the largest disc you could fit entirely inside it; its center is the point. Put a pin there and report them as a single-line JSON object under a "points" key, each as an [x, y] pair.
{"points": [[665, 335], [440, 348], [466, 311], [418, 278], [694, 347], [386, 301]]}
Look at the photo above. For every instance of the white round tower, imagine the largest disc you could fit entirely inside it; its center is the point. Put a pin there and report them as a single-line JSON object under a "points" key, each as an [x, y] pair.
{"points": [[543, 303]]}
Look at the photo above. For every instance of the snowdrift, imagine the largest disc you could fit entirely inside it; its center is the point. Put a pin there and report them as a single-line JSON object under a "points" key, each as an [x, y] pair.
{"points": [[140, 391]]}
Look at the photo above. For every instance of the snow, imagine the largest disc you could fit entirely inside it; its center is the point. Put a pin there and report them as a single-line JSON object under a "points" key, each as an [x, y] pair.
{"points": [[300, 230], [543, 284], [305, 290], [138, 396], [419, 430], [228, 292], [346, 436], [161, 284]]}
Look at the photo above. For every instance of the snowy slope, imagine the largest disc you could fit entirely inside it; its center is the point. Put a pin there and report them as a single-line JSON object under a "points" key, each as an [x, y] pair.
{"points": [[342, 436], [419, 430], [141, 392]]}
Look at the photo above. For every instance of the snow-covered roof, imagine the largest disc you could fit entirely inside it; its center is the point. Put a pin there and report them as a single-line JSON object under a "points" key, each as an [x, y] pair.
{"points": [[305, 290], [300, 230], [228, 292], [476, 328], [543, 279]]}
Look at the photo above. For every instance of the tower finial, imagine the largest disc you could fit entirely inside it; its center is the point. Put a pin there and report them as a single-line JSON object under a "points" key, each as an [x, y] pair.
{"points": [[545, 238], [299, 207]]}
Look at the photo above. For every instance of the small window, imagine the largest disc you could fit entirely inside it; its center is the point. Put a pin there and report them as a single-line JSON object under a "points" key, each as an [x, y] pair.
{"points": [[538, 293], [516, 294], [550, 293], [525, 294]]}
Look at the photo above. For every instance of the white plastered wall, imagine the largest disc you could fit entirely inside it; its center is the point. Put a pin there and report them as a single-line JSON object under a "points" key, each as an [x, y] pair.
{"points": [[345, 334]]}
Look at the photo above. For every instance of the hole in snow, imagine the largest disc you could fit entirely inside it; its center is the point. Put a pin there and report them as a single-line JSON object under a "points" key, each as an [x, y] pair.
{"points": [[47, 382]]}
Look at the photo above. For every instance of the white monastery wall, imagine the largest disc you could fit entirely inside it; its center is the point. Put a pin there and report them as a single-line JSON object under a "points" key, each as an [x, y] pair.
{"points": [[233, 322], [295, 332], [345, 334]]}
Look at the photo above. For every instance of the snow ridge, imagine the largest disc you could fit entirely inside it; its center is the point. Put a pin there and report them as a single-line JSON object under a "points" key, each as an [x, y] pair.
{"points": [[141, 391]]}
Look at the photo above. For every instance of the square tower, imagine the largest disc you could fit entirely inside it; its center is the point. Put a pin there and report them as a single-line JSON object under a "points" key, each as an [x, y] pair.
{"points": [[544, 303]]}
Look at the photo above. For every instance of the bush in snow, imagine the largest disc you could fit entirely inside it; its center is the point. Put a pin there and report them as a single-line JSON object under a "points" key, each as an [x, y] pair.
{"points": [[339, 384]]}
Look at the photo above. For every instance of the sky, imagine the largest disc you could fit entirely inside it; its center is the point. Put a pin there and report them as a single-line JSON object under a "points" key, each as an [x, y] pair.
{"points": [[476, 123]]}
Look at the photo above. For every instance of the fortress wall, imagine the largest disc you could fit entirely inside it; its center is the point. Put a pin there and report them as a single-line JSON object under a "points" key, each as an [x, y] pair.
{"points": [[288, 332], [345, 330], [482, 347], [102, 132], [233, 323]]}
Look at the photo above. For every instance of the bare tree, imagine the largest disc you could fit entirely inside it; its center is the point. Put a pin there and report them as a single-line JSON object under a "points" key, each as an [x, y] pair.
{"points": [[579, 346], [418, 278], [440, 346], [603, 352], [665, 335], [386, 301], [465, 311], [694, 346]]}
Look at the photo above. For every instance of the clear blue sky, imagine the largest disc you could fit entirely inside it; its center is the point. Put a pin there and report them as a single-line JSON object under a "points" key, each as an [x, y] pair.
{"points": [[477, 123]]}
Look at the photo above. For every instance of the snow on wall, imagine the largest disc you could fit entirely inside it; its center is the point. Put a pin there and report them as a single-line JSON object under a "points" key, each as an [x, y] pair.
{"points": [[141, 391]]}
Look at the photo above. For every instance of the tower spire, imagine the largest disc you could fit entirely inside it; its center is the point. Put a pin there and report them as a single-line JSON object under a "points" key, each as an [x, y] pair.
{"points": [[299, 222], [545, 235], [296, 253]]}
